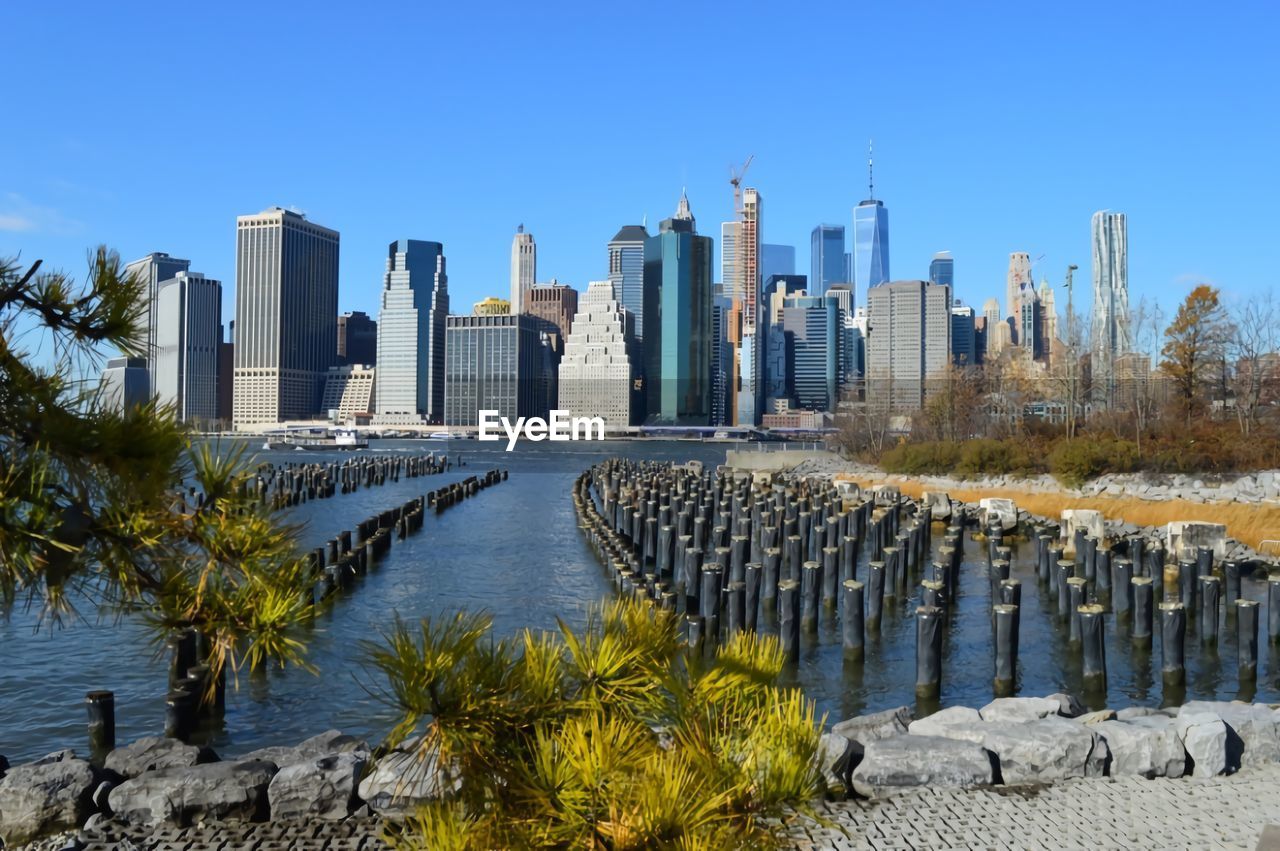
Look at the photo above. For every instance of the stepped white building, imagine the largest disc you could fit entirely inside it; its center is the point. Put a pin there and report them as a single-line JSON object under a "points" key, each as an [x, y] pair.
{"points": [[600, 360]]}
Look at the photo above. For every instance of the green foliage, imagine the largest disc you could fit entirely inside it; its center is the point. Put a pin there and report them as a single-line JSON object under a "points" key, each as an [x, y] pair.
{"points": [[964, 459], [930, 458], [91, 498], [1074, 462], [604, 737]]}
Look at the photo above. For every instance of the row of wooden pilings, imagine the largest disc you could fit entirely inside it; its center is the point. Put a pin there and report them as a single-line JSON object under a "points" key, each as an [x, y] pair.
{"points": [[289, 484], [333, 568], [723, 551]]}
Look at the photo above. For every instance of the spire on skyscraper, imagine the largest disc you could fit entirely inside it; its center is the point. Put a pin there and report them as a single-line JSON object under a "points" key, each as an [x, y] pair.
{"points": [[682, 209], [871, 180]]}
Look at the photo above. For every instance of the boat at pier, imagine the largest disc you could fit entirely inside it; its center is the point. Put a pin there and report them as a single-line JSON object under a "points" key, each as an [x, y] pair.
{"points": [[317, 440]]}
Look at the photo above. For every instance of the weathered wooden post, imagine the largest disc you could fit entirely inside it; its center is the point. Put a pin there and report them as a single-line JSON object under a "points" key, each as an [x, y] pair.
{"points": [[789, 619], [810, 579], [1187, 584], [709, 600], [1044, 557], [928, 653], [1065, 571], [1209, 591], [1273, 611], [694, 634], [101, 709], [1231, 587], [1247, 638], [1005, 681], [830, 575], [1173, 636], [1102, 570], [1094, 665], [851, 620], [1123, 599], [736, 598], [1077, 586], [752, 597], [1143, 593], [875, 594]]}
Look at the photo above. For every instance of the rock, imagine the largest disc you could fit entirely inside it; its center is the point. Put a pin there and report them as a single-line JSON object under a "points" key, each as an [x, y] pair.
{"points": [[323, 787], [993, 511], [1254, 737], [847, 490], [1204, 735], [217, 791], [402, 780], [1097, 717], [1019, 709], [45, 796], [885, 494], [1069, 706], [1046, 750], [954, 722], [101, 793], [903, 763], [1087, 519], [154, 752], [1131, 712], [1148, 746], [865, 729], [328, 742], [939, 504], [836, 757]]}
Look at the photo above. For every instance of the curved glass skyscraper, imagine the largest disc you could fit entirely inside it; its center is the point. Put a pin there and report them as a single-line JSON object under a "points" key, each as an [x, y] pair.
{"points": [[870, 244]]}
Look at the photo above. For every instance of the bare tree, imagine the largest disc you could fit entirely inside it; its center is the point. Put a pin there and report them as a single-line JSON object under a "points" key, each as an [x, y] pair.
{"points": [[863, 428], [1140, 381], [1253, 347]]}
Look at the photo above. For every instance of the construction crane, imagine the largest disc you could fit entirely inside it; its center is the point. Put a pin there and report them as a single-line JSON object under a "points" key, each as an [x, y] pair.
{"points": [[735, 178]]}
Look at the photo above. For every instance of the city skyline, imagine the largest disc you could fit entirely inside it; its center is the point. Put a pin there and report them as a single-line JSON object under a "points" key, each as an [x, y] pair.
{"points": [[469, 187]]}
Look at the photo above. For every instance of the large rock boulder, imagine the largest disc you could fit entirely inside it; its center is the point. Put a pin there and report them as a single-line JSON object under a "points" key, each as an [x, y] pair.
{"points": [[938, 503], [836, 758], [50, 795], [322, 787], [1254, 734], [152, 752], [218, 791], [1017, 710], [325, 744], [1184, 537], [1145, 746], [1069, 706], [994, 511], [1045, 751], [954, 722], [402, 780], [1092, 522], [1204, 735], [865, 729], [886, 494], [903, 763]]}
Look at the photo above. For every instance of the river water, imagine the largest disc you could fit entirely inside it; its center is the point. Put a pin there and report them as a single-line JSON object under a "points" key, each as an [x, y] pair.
{"points": [[515, 552]]}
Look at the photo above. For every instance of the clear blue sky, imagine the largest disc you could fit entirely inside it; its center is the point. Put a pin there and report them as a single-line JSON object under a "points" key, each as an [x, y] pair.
{"points": [[998, 127]]}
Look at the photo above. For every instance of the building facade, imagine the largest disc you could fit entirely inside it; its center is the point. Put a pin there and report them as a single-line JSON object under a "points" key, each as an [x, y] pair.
{"points": [[188, 337], [151, 271], [1017, 280], [348, 392], [626, 271], [908, 343], [870, 244], [964, 344], [493, 363], [600, 364], [286, 316], [827, 259], [524, 267], [556, 304], [1109, 327], [678, 336], [776, 260], [124, 384], [810, 324], [942, 270], [415, 302], [357, 338]]}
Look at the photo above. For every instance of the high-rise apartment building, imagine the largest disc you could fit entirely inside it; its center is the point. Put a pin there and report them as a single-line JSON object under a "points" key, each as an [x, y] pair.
{"points": [[1017, 279], [942, 270], [411, 335], [188, 336], [847, 370], [964, 349], [626, 271], [524, 267], [1029, 322], [827, 259], [1109, 327], [908, 343], [600, 363], [286, 315], [730, 284], [750, 353], [1049, 318], [678, 337], [357, 338], [494, 363], [995, 340], [721, 359], [811, 324], [153, 270]]}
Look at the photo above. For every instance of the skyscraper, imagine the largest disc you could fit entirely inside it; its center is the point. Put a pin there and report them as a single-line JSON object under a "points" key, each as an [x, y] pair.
{"points": [[750, 354], [847, 331], [151, 270], [626, 271], [964, 349], [556, 303], [776, 260], [729, 283], [1109, 328], [599, 367], [943, 270], [1049, 316], [357, 338], [995, 340], [679, 335], [496, 363], [286, 315], [811, 326], [1018, 277], [870, 238], [415, 301], [124, 384], [524, 267], [826, 259], [188, 335], [908, 343]]}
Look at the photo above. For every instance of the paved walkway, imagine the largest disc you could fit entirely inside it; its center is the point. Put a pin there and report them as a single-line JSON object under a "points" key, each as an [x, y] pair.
{"points": [[1218, 812]]}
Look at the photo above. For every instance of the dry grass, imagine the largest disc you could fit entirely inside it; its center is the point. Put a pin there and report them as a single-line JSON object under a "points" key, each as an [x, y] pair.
{"points": [[1249, 524]]}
